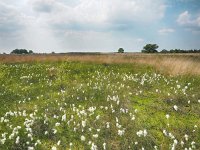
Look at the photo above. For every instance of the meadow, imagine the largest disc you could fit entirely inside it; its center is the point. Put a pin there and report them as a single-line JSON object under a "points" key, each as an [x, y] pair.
{"points": [[101, 101]]}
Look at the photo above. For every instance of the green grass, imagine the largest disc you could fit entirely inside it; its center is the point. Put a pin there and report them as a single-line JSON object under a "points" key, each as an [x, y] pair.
{"points": [[108, 98]]}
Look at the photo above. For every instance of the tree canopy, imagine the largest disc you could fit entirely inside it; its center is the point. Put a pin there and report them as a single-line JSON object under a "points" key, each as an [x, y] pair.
{"points": [[120, 50], [150, 48], [21, 51]]}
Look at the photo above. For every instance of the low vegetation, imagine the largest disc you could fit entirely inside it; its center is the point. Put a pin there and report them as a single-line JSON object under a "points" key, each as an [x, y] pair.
{"points": [[82, 105]]}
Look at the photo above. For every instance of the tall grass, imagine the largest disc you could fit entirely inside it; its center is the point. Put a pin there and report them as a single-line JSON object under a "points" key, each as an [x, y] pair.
{"points": [[173, 64]]}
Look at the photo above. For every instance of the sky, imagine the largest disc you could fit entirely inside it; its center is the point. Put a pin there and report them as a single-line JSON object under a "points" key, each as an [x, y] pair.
{"points": [[98, 25]]}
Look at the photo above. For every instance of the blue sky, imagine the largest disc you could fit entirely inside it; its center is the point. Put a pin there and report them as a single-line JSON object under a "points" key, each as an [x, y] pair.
{"points": [[98, 25]]}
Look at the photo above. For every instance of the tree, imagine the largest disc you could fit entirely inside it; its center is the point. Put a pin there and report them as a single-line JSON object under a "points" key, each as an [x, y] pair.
{"points": [[30, 52], [19, 51], [164, 51], [150, 48], [120, 50]]}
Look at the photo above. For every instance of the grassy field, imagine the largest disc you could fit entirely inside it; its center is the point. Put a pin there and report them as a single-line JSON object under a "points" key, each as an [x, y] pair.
{"points": [[99, 102]]}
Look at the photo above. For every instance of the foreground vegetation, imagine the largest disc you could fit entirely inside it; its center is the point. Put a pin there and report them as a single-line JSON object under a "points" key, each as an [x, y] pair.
{"points": [[74, 105]]}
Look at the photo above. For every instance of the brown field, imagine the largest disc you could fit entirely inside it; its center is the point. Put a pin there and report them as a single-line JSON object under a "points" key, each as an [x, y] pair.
{"points": [[173, 64]]}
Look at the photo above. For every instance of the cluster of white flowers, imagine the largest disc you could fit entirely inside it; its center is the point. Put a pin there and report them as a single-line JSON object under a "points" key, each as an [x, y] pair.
{"points": [[142, 133]]}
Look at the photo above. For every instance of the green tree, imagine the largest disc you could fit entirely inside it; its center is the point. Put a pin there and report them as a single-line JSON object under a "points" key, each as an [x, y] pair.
{"points": [[30, 52], [150, 48], [19, 51], [120, 50]]}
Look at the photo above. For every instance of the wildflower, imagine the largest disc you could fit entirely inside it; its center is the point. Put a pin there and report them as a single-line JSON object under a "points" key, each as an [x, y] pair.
{"points": [[104, 146], [83, 123], [97, 117], [95, 135], [53, 148], [107, 125], [186, 137], [121, 132], [93, 147], [17, 140], [30, 148], [64, 117], [54, 131], [142, 133], [82, 138], [182, 143], [58, 143], [167, 116], [57, 124], [155, 147], [175, 107], [145, 132], [136, 143], [2, 141]]}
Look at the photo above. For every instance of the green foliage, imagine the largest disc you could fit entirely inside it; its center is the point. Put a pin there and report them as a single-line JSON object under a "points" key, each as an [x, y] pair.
{"points": [[150, 48], [131, 98], [21, 51], [120, 50]]}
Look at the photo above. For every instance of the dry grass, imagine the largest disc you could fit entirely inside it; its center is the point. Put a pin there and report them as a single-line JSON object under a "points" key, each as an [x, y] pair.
{"points": [[167, 63]]}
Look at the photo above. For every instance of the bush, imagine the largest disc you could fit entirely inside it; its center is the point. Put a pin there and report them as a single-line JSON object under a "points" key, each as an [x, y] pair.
{"points": [[120, 50]]}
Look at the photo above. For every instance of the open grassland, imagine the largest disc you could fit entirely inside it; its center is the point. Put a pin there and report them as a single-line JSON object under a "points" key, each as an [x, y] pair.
{"points": [[120, 102], [173, 64]]}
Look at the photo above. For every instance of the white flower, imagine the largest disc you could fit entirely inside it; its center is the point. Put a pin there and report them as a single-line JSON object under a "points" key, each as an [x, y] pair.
{"points": [[121, 132], [17, 140], [82, 138], [54, 131], [95, 135], [186, 137], [64, 117], [107, 125], [145, 132], [142, 133], [104, 146], [97, 117], [167, 116], [2, 141], [57, 124], [136, 143], [53, 148], [30, 148], [58, 143], [182, 143], [175, 107], [93, 147], [83, 123], [139, 133]]}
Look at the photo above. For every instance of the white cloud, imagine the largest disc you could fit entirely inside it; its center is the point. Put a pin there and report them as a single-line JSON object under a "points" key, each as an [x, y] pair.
{"points": [[165, 31], [82, 24], [185, 19], [101, 12], [191, 23]]}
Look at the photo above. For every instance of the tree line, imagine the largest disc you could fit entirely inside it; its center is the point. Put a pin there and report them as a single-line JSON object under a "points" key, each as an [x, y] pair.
{"points": [[148, 48], [152, 48], [21, 51]]}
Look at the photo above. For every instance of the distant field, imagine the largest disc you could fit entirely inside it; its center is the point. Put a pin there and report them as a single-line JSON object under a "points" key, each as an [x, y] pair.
{"points": [[167, 63], [99, 101]]}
